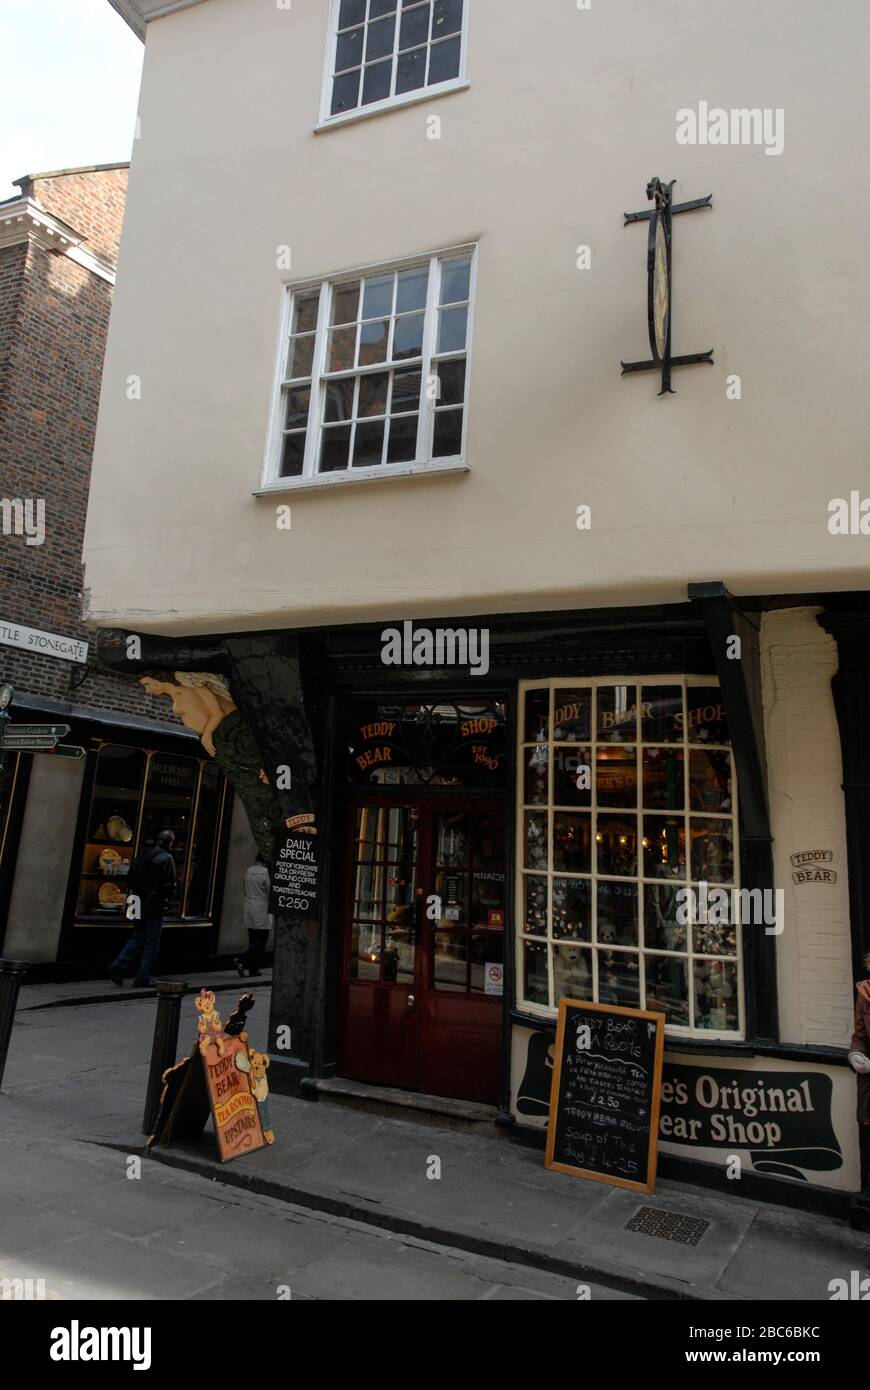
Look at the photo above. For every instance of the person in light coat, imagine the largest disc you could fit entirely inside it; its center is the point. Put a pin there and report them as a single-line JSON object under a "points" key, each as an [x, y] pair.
{"points": [[255, 916]]}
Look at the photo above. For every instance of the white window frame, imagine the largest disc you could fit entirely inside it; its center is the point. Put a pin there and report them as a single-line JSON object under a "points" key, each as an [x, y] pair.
{"points": [[454, 84], [550, 1011], [271, 481]]}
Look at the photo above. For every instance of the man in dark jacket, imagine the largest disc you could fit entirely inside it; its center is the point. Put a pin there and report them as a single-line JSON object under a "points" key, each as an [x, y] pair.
{"points": [[151, 881]]}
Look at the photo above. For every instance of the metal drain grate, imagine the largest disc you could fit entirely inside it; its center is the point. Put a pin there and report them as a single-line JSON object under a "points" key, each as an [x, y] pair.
{"points": [[666, 1225]]}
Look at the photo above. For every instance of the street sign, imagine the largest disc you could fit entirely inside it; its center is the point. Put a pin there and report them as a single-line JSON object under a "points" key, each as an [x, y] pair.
{"points": [[37, 743], [35, 731], [68, 750]]}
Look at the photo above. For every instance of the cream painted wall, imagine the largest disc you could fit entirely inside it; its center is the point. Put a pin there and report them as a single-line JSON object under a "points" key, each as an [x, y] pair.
{"points": [[569, 113], [806, 802], [241, 851], [42, 866]]}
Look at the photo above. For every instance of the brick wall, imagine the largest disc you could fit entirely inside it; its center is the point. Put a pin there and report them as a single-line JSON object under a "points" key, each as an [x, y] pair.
{"points": [[54, 318]]}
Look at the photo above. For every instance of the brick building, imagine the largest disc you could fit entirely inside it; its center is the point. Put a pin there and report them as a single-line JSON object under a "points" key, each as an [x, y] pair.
{"points": [[69, 825]]}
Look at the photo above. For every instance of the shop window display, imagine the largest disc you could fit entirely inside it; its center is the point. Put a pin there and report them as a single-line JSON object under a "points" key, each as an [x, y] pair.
{"points": [[627, 807]]}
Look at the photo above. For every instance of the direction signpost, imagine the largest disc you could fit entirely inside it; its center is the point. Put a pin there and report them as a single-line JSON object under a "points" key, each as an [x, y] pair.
{"points": [[32, 738]]}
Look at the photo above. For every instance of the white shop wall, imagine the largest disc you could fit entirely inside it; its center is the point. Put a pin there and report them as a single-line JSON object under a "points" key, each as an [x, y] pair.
{"points": [[241, 851], [43, 863], [816, 989]]}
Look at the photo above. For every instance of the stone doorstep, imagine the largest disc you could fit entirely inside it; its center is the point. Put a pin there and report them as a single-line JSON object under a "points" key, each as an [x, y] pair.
{"points": [[337, 1088], [652, 1287]]}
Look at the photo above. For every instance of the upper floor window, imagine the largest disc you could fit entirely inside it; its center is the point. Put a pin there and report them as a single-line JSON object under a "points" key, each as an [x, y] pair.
{"points": [[383, 52], [373, 372]]}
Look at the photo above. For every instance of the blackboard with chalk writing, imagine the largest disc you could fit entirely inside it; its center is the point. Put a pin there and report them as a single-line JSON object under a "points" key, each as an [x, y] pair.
{"points": [[606, 1094]]}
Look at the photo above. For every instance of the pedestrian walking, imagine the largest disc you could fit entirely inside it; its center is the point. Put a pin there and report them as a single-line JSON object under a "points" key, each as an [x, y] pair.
{"points": [[151, 879], [255, 915]]}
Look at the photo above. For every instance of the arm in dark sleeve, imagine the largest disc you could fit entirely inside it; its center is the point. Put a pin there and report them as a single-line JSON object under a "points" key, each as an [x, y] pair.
{"points": [[861, 1037], [169, 872]]}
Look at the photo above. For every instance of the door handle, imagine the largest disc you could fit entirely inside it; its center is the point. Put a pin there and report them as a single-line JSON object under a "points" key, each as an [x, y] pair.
{"points": [[411, 1001]]}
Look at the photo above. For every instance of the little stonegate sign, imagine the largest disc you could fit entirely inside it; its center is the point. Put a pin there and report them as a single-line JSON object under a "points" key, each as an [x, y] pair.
{"points": [[31, 639]]}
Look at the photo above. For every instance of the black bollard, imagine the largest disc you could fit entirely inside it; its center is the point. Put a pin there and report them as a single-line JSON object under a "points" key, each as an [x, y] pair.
{"points": [[12, 972], [169, 996]]}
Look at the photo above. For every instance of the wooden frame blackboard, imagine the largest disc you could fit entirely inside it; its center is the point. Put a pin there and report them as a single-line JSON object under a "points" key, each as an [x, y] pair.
{"points": [[614, 1134]]}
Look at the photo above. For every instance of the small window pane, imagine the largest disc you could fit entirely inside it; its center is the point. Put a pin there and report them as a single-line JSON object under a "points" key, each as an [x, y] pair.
{"points": [[373, 342], [300, 357], [411, 291], [339, 400], [333, 457], [616, 845], [444, 60], [406, 391], [712, 850], [710, 780], [715, 995], [376, 83], [451, 378], [345, 303], [618, 979], [535, 853], [572, 777], [455, 281], [448, 434], [345, 92], [663, 779], [448, 18], [349, 50], [661, 714], [616, 776], [292, 455], [572, 908], [378, 296], [296, 414], [572, 842], [715, 938], [706, 717], [572, 973], [535, 775], [402, 445], [368, 448], [662, 929], [572, 717], [536, 984], [537, 726], [667, 988], [617, 714], [373, 394], [415, 26], [305, 312], [342, 346], [535, 894], [452, 329], [351, 12], [664, 847], [379, 7], [411, 70], [617, 914], [408, 337], [380, 39]]}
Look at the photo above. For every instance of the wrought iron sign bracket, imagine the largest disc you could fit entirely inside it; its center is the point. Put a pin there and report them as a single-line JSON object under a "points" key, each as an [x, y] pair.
{"points": [[660, 282]]}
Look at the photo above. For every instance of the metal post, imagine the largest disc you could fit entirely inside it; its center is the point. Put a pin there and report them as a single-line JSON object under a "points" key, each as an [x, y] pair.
{"points": [[165, 1046], [12, 972]]}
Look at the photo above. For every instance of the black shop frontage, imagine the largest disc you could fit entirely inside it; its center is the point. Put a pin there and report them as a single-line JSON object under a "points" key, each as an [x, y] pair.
{"points": [[483, 843]]}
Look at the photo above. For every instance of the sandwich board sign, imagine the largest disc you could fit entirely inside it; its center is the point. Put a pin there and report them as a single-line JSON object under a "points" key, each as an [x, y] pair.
{"points": [[606, 1094], [220, 1077]]}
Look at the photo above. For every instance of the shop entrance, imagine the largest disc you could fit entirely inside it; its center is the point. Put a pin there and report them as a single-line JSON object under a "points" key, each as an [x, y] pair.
{"points": [[424, 928]]}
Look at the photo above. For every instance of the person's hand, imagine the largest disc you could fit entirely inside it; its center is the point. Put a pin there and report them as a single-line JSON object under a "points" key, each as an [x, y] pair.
{"points": [[863, 988]]}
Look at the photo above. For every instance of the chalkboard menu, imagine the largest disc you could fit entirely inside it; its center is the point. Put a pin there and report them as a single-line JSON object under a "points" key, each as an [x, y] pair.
{"points": [[606, 1094], [295, 876]]}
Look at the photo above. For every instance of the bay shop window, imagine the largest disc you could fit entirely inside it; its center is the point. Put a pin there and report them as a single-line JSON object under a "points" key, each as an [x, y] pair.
{"points": [[627, 799], [136, 793]]}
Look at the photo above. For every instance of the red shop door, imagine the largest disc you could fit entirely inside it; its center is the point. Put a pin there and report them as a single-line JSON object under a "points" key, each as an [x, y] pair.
{"points": [[424, 934]]}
